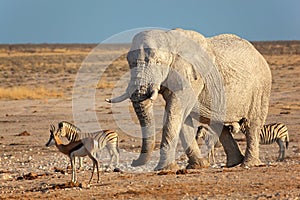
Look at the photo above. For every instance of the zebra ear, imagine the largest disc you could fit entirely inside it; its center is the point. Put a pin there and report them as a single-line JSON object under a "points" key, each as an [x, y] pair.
{"points": [[243, 121], [230, 127], [60, 125], [52, 128]]}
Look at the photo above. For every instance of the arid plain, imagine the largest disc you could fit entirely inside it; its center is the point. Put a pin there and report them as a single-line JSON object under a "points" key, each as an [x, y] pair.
{"points": [[36, 90]]}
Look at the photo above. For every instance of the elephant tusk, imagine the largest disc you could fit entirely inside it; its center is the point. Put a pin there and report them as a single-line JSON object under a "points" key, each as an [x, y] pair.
{"points": [[108, 100], [154, 95], [118, 99]]}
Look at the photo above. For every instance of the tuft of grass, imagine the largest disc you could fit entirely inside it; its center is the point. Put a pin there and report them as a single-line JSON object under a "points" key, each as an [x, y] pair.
{"points": [[21, 92]]}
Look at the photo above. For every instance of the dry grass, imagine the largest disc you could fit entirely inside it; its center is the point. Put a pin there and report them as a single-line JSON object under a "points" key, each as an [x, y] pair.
{"points": [[16, 93], [105, 85], [56, 65]]}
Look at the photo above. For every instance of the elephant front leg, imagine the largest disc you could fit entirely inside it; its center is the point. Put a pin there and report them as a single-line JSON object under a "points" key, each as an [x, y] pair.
{"points": [[171, 128], [231, 148], [190, 145], [168, 145], [144, 112]]}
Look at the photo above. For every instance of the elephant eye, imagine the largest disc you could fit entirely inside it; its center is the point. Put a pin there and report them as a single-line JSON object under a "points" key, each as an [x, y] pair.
{"points": [[158, 62], [132, 64], [141, 62]]}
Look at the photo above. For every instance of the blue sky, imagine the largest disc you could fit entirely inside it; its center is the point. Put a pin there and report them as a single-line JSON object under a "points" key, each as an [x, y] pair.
{"points": [[91, 21]]}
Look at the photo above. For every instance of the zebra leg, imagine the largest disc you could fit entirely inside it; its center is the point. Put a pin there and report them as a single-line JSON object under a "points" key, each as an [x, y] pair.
{"points": [[213, 155], [281, 150], [72, 159], [111, 154], [209, 157], [115, 155], [98, 175]]}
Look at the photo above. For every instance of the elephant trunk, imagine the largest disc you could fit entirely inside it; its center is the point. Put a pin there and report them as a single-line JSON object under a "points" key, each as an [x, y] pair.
{"points": [[144, 112]]}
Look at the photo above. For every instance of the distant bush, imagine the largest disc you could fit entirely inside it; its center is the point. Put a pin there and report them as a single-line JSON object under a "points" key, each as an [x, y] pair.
{"points": [[105, 85], [277, 47]]}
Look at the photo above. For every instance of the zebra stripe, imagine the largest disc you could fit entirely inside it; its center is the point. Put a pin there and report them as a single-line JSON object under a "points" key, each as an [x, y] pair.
{"points": [[68, 130], [270, 133], [105, 138]]}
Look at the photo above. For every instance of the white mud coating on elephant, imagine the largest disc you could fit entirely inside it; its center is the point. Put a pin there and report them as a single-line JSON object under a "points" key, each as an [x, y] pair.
{"points": [[202, 76]]}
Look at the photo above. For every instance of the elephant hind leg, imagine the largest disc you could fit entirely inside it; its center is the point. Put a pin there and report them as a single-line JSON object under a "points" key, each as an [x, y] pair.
{"points": [[257, 115], [252, 149], [231, 148]]}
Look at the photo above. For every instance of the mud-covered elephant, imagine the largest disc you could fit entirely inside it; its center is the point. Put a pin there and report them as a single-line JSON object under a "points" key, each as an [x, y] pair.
{"points": [[215, 80]]}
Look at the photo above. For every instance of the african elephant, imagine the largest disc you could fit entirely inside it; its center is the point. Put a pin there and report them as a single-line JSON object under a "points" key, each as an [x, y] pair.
{"points": [[214, 80]]}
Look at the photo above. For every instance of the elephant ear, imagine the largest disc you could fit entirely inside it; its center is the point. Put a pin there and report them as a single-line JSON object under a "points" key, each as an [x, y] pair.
{"points": [[193, 59], [181, 75]]}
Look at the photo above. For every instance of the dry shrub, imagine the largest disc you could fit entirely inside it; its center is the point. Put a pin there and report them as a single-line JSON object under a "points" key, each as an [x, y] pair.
{"points": [[24, 133], [20, 92], [105, 85]]}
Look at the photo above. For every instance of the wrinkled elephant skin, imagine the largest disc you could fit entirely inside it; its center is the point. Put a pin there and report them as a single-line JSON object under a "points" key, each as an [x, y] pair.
{"points": [[219, 80]]}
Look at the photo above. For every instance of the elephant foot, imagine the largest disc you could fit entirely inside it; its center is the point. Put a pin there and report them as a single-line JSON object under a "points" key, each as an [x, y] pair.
{"points": [[197, 163], [251, 162], [234, 161], [173, 167], [142, 160]]}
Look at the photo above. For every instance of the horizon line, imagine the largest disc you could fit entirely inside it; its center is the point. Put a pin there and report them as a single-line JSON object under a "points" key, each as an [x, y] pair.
{"points": [[92, 43]]}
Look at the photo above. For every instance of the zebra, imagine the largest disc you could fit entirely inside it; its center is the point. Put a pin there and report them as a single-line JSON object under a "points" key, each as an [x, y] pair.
{"points": [[211, 140], [105, 138], [270, 133]]}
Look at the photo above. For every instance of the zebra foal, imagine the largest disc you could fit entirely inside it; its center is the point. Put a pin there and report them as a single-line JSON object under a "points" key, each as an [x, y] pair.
{"points": [[270, 133], [105, 138], [211, 140]]}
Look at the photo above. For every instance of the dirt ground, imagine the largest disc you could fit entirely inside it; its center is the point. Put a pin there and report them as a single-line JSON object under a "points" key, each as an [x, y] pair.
{"points": [[29, 170]]}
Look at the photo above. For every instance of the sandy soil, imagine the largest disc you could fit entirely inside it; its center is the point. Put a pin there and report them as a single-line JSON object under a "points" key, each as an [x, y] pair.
{"points": [[29, 170]]}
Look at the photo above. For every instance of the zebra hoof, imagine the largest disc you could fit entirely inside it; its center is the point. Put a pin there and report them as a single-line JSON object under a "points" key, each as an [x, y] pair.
{"points": [[117, 170]]}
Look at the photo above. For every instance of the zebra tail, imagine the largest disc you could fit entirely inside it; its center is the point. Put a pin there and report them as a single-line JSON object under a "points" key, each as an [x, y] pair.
{"points": [[287, 141]]}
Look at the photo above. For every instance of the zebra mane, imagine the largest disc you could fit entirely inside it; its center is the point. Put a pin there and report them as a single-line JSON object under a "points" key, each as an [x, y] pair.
{"points": [[71, 131], [68, 125]]}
